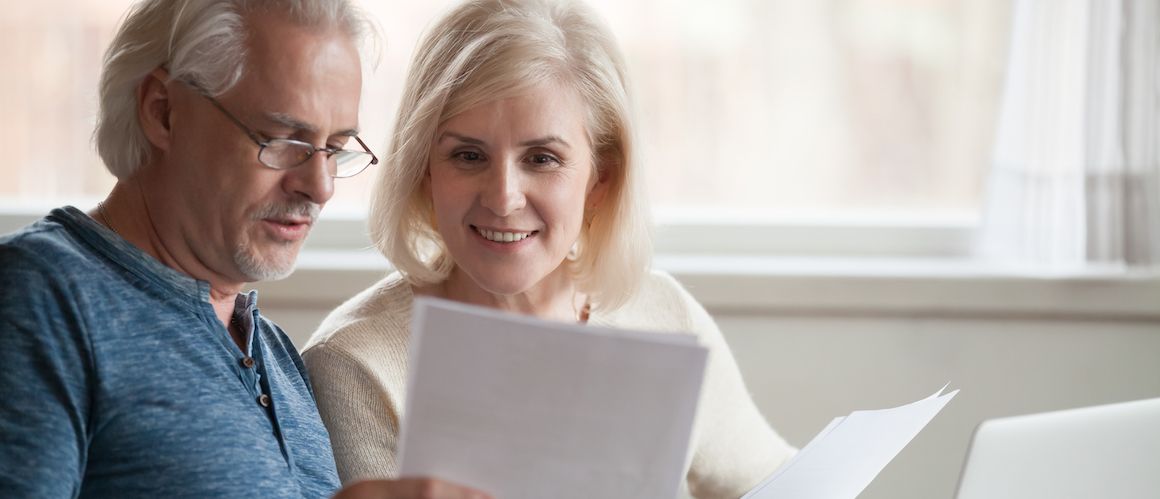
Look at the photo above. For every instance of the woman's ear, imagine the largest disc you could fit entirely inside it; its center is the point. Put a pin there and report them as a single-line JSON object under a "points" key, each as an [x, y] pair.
{"points": [[427, 201], [153, 107], [602, 178]]}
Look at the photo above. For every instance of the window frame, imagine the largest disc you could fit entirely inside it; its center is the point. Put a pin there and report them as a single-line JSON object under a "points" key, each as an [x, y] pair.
{"points": [[749, 265]]}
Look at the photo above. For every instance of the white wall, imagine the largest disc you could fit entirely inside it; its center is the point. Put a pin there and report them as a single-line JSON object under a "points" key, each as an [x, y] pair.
{"points": [[805, 370], [813, 346]]}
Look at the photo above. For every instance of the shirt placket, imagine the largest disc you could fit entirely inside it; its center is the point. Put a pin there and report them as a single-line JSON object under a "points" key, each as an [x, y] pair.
{"points": [[259, 384]]}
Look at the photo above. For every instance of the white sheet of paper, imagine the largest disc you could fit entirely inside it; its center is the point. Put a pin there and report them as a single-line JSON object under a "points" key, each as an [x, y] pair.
{"points": [[846, 456], [523, 408]]}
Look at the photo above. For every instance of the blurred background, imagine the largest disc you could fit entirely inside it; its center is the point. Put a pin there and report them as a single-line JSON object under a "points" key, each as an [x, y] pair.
{"points": [[824, 174], [772, 107]]}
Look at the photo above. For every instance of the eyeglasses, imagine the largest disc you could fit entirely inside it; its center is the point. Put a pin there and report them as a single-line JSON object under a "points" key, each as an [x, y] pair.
{"points": [[284, 154]]}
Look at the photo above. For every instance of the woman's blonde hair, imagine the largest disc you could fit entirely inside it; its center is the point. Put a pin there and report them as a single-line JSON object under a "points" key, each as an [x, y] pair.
{"points": [[487, 50], [195, 40]]}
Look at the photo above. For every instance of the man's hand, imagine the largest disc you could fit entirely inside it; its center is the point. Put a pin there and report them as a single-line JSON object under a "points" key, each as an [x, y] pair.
{"points": [[408, 488]]}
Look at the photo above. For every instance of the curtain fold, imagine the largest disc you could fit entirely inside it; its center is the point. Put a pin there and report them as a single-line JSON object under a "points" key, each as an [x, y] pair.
{"points": [[1075, 178]]}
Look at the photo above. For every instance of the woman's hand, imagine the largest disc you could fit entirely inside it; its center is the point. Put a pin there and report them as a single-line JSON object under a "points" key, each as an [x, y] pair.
{"points": [[408, 488]]}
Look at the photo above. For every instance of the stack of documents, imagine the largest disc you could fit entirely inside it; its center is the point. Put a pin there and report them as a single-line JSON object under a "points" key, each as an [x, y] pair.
{"points": [[523, 408]]}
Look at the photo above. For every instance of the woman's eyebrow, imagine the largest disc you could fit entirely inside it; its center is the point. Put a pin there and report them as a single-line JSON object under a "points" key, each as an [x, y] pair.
{"points": [[543, 141], [538, 142], [461, 138]]}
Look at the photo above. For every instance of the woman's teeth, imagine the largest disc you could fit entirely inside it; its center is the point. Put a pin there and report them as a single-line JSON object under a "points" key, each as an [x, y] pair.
{"points": [[502, 237]]}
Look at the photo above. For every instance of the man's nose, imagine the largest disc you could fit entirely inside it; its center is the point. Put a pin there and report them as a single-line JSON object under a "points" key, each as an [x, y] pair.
{"points": [[313, 179]]}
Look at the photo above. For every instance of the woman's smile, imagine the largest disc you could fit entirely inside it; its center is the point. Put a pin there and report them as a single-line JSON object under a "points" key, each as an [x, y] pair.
{"points": [[509, 181], [503, 236]]}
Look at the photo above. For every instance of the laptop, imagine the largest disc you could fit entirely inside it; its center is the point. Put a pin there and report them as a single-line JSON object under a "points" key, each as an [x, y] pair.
{"points": [[1105, 452]]}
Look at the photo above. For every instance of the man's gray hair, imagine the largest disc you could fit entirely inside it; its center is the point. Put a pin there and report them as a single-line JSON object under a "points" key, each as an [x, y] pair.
{"points": [[202, 41]]}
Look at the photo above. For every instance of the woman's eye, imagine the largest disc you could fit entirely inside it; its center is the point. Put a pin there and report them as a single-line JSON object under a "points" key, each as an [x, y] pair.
{"points": [[469, 156], [543, 159]]}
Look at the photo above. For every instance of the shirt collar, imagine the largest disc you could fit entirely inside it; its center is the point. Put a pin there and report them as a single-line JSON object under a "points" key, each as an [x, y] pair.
{"points": [[128, 256]]}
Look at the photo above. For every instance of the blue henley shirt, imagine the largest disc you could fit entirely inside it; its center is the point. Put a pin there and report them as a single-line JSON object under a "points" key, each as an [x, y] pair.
{"points": [[118, 380]]}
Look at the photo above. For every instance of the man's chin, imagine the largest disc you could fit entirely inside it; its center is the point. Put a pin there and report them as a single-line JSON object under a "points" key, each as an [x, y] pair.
{"points": [[258, 267], [268, 274]]}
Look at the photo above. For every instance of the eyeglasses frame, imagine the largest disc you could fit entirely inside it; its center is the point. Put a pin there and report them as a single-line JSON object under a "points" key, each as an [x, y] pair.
{"points": [[263, 144]]}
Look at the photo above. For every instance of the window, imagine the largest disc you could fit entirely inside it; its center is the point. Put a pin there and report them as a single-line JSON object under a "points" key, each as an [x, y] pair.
{"points": [[52, 59], [801, 110]]}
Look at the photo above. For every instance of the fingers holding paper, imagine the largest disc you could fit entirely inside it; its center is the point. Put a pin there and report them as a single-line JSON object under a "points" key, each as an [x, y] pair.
{"points": [[408, 488]]}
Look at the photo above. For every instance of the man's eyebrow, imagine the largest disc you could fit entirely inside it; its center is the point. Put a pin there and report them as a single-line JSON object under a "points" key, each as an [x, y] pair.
{"points": [[288, 121]]}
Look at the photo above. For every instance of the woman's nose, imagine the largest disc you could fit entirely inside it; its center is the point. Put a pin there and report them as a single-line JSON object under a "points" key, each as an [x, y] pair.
{"points": [[503, 192]]}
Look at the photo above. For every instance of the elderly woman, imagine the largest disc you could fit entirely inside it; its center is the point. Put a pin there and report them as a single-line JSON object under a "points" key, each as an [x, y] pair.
{"points": [[512, 183]]}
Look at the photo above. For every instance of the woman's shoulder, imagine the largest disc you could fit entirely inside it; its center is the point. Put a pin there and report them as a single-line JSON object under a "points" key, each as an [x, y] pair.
{"points": [[661, 289], [380, 312], [661, 303]]}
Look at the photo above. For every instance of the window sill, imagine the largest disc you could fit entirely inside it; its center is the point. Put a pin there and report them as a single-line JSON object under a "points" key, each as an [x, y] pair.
{"points": [[912, 287], [834, 286], [919, 273]]}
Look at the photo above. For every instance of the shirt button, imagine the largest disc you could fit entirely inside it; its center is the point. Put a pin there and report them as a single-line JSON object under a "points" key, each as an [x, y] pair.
{"points": [[247, 362], [264, 400]]}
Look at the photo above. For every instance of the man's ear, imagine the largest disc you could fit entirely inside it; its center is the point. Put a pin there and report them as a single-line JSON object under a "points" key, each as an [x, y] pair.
{"points": [[153, 106]]}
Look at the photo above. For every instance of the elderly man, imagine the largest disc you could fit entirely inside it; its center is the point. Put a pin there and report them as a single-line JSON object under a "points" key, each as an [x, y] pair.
{"points": [[131, 364]]}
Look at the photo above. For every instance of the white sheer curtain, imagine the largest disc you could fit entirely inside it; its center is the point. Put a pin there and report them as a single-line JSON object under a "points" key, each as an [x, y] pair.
{"points": [[1075, 181]]}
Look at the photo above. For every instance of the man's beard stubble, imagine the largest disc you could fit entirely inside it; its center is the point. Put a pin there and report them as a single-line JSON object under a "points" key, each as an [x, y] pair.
{"points": [[267, 267]]}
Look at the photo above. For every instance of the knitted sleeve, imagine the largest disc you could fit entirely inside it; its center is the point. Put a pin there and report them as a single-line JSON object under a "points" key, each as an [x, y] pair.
{"points": [[358, 412], [735, 447]]}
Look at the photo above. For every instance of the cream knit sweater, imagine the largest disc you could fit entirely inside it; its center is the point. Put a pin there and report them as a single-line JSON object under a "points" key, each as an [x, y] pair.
{"points": [[358, 367]]}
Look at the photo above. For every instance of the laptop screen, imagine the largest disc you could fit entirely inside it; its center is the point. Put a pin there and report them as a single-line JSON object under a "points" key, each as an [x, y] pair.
{"points": [[1109, 451]]}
